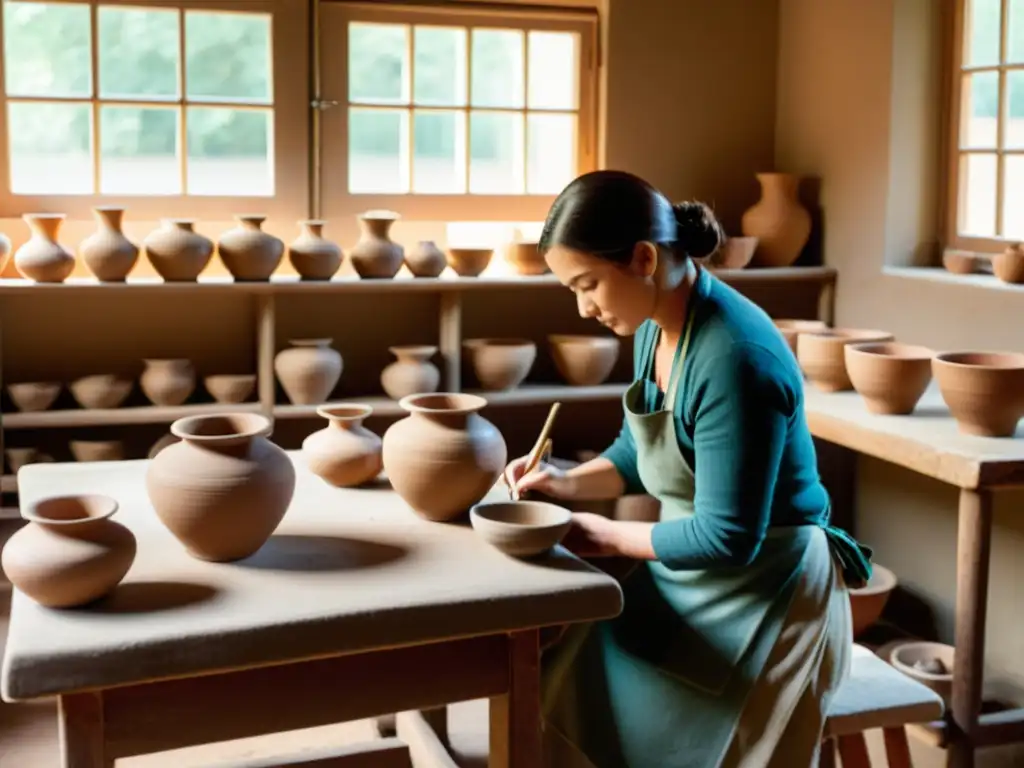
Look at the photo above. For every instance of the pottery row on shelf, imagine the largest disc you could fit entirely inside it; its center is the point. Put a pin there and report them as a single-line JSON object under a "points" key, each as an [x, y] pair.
{"points": [[1008, 265]]}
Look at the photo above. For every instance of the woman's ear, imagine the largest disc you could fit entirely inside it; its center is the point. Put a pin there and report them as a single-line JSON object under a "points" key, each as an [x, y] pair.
{"points": [[645, 259]]}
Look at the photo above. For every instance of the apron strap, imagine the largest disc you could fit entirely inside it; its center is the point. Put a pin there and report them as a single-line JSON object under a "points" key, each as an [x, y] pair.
{"points": [[678, 361]]}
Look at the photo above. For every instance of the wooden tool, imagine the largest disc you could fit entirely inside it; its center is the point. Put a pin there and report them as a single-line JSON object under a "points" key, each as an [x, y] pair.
{"points": [[539, 447]]}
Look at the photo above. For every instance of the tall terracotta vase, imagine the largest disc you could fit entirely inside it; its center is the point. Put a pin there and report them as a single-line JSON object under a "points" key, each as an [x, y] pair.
{"points": [[344, 453], [314, 256], [43, 259], [309, 371], [168, 382], [781, 224], [177, 252], [412, 373], [249, 253], [108, 253], [376, 255]]}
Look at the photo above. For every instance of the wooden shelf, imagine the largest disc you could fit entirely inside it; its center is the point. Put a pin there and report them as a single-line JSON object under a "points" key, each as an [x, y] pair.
{"points": [[382, 406], [8, 484], [101, 417]]}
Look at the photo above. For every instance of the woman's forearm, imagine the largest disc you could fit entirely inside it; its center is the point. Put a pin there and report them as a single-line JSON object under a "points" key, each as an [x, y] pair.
{"points": [[595, 480]]}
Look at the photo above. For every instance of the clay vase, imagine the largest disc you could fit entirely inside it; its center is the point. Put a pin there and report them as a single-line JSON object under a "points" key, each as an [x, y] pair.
{"points": [[249, 253], [1008, 266], [444, 456], [42, 259], [425, 259], [822, 356], [309, 371], [501, 364], [984, 390], [525, 259], [376, 255], [107, 252], [890, 377], [32, 396], [781, 224], [312, 255], [168, 382], [224, 489], [412, 373], [102, 390], [584, 361], [71, 552], [177, 252], [344, 453]]}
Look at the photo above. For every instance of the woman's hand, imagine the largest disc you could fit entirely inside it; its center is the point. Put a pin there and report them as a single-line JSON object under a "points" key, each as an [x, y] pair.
{"points": [[544, 478], [592, 536]]}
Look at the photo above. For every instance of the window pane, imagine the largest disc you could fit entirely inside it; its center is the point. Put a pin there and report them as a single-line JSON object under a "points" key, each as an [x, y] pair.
{"points": [[440, 66], [1013, 135], [378, 63], [553, 70], [138, 53], [378, 151], [496, 162], [981, 46], [139, 151], [497, 68], [551, 152], [1015, 47], [980, 111], [50, 148], [227, 56], [229, 151], [978, 195], [47, 49], [1013, 197], [439, 152]]}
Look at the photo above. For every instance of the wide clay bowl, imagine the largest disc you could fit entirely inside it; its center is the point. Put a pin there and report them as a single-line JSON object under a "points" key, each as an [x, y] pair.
{"points": [[584, 361], [525, 259], [790, 329], [520, 528], [930, 664], [822, 355], [102, 390], [33, 395], [984, 390], [868, 602], [735, 253], [469, 262], [501, 364], [891, 377]]}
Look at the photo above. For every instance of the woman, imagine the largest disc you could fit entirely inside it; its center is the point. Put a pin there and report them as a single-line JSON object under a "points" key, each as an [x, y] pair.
{"points": [[736, 633]]}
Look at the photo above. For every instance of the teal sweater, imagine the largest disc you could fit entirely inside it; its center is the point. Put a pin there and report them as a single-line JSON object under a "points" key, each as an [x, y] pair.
{"points": [[739, 417]]}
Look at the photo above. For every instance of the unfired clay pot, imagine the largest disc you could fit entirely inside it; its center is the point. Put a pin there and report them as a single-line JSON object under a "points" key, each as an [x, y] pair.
{"points": [[42, 258], [469, 262], [425, 259], [22, 457], [230, 387], [525, 259], [168, 382], [1008, 266], [501, 364], [224, 489], [520, 528], [584, 361], [162, 443], [309, 371], [376, 255], [249, 253], [31, 396], [781, 224], [822, 356], [344, 453], [890, 377], [108, 253], [790, 329], [867, 603], [930, 664], [103, 390], [97, 450], [984, 390], [444, 456], [314, 256], [177, 252], [71, 552], [412, 373]]}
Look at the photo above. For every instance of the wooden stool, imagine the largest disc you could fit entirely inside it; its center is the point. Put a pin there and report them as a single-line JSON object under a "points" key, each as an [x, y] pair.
{"points": [[875, 696]]}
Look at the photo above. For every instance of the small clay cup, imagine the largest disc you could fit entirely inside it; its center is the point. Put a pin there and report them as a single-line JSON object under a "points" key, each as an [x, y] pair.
{"points": [[867, 603], [520, 528], [469, 262], [822, 356], [891, 377], [983, 390]]}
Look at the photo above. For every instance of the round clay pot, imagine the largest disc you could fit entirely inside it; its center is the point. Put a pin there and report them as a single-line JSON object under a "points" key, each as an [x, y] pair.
{"points": [[412, 373], [781, 224], [312, 255], [501, 364], [960, 262], [1008, 266], [790, 329], [31, 396], [107, 252], [162, 443], [520, 528], [930, 664], [525, 259], [735, 253], [469, 262], [444, 456], [103, 390], [867, 603], [22, 457], [168, 382], [344, 453], [309, 371], [425, 259], [43, 259], [984, 390], [177, 252], [71, 552], [823, 359], [890, 377], [224, 489], [376, 255], [230, 388], [249, 253], [97, 450], [584, 361]]}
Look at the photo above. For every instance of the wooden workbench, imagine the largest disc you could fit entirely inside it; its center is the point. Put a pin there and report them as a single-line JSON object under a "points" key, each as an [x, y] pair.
{"points": [[355, 607]]}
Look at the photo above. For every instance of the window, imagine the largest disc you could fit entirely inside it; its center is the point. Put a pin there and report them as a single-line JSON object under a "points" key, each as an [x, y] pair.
{"points": [[986, 205]]}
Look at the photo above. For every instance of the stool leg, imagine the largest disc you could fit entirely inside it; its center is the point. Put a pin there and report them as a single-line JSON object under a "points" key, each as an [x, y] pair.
{"points": [[827, 758], [897, 750], [853, 751]]}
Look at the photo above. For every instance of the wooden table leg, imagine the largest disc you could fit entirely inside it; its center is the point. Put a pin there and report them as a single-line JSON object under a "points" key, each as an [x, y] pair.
{"points": [[515, 732], [80, 731]]}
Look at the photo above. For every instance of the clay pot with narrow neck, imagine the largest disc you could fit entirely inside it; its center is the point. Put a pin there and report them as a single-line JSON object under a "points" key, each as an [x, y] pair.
{"points": [[43, 259], [249, 253], [309, 370], [224, 488], [376, 255], [425, 259], [344, 453], [781, 224], [168, 382], [107, 252], [177, 252], [312, 255], [412, 373], [444, 456]]}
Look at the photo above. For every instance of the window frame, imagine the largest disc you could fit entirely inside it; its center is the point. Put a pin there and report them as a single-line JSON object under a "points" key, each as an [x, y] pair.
{"points": [[289, 140]]}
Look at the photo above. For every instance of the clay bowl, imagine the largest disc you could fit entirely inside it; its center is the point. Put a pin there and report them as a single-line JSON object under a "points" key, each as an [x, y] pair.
{"points": [[469, 262], [104, 390], [930, 664], [584, 361], [891, 377], [525, 259], [984, 390], [97, 450], [790, 329], [867, 603], [822, 356], [735, 253], [960, 262], [33, 395], [501, 364], [520, 528], [230, 387], [22, 457]]}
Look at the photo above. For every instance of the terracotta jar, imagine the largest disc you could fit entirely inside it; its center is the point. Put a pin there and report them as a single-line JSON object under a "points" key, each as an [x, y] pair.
{"points": [[224, 489], [312, 255], [584, 361], [177, 252], [97, 450], [168, 382], [42, 258], [822, 355], [412, 373], [984, 390], [425, 259], [31, 396], [71, 552], [108, 253], [501, 364], [781, 224], [102, 390], [344, 453], [249, 253], [309, 371], [1008, 266], [525, 259], [22, 457], [469, 262], [444, 456], [376, 255], [230, 388], [890, 377]]}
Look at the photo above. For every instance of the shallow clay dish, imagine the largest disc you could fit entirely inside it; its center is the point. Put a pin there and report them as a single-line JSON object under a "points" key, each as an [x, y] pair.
{"points": [[891, 377], [735, 253], [104, 390], [584, 361], [520, 528], [930, 664], [33, 395], [790, 329], [501, 364], [822, 356], [867, 603], [984, 390], [469, 262]]}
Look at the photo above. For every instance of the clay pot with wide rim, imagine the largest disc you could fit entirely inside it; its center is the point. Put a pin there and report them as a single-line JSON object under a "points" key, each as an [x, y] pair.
{"points": [[525, 258], [108, 253], [412, 373], [97, 450], [790, 329], [22, 457], [425, 259], [230, 388], [32, 396], [822, 356], [376, 255], [469, 262], [781, 224], [224, 488], [162, 443], [520, 528], [42, 258], [1008, 266], [71, 552], [101, 390], [249, 253], [890, 377], [312, 255], [309, 370], [501, 364], [584, 361], [168, 382], [177, 252], [444, 456], [344, 453], [930, 664], [868, 602], [734, 253], [983, 390]]}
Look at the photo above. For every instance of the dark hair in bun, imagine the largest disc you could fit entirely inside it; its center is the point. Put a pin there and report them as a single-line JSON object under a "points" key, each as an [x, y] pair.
{"points": [[698, 232]]}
